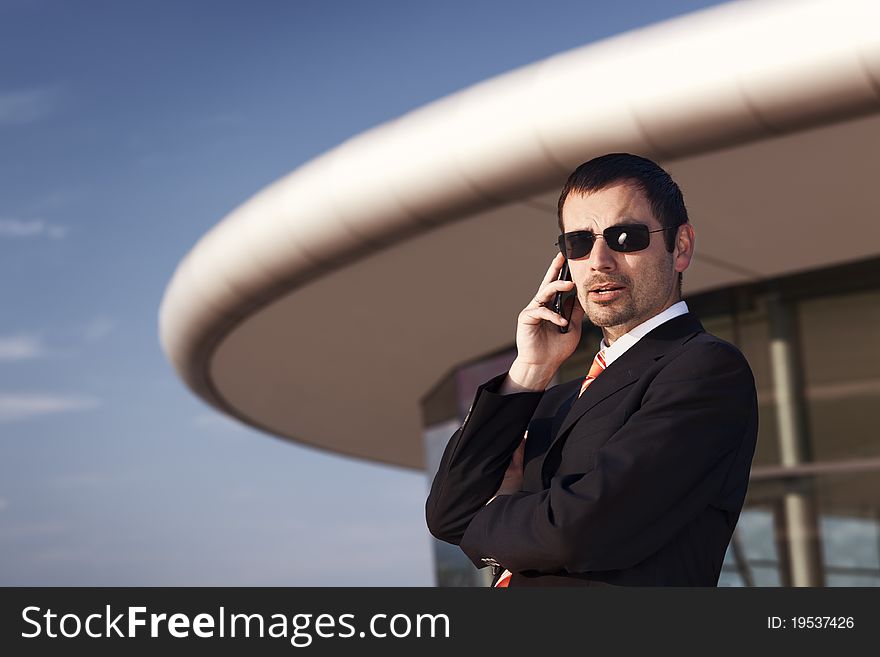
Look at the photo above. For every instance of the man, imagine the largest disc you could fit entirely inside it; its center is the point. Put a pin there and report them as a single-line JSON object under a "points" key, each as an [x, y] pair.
{"points": [[636, 473]]}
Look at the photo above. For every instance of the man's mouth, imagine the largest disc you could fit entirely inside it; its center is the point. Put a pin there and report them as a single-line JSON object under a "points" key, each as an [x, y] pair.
{"points": [[605, 292]]}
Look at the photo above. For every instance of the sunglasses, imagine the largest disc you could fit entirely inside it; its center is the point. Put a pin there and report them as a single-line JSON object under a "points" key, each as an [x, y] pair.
{"points": [[623, 238]]}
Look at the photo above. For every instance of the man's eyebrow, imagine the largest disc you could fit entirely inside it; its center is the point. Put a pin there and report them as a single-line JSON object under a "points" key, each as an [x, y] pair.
{"points": [[620, 222]]}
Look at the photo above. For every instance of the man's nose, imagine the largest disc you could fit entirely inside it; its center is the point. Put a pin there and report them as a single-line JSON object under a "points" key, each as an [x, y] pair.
{"points": [[602, 257]]}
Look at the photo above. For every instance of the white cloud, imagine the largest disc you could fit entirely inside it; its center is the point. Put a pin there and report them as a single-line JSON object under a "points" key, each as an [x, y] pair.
{"points": [[18, 228], [4, 504], [28, 105], [23, 406], [25, 346], [56, 232], [21, 347], [99, 328]]}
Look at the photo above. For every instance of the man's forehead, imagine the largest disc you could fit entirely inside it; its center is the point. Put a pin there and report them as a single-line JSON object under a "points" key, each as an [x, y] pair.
{"points": [[618, 203]]}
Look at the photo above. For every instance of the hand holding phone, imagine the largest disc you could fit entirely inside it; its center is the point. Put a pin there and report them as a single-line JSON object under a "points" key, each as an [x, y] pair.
{"points": [[540, 354]]}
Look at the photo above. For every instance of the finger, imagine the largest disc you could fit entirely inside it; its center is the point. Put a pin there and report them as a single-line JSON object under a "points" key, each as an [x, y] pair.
{"points": [[518, 453], [545, 294], [516, 460], [553, 271], [543, 313]]}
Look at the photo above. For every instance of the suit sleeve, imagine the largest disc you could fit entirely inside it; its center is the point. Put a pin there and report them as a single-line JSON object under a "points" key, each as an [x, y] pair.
{"points": [[654, 475], [476, 457]]}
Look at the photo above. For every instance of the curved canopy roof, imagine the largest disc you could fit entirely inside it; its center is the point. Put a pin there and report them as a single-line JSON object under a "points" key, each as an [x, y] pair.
{"points": [[323, 308]]}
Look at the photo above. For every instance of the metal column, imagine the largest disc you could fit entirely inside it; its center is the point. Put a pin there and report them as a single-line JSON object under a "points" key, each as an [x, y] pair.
{"points": [[800, 513]]}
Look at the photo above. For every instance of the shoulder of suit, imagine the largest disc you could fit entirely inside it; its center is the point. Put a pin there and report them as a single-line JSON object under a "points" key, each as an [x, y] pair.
{"points": [[706, 338], [706, 352]]}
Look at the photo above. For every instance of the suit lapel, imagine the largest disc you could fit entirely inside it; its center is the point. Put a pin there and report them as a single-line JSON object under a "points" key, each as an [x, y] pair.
{"points": [[622, 372], [616, 376]]}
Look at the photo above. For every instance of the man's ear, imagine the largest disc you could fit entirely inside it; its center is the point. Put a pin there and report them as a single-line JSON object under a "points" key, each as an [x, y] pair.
{"points": [[684, 247]]}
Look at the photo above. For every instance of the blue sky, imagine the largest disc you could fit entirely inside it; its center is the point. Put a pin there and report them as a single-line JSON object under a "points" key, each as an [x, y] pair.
{"points": [[128, 129]]}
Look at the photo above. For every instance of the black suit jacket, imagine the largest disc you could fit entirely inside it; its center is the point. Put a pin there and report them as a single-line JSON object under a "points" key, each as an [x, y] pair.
{"points": [[638, 482]]}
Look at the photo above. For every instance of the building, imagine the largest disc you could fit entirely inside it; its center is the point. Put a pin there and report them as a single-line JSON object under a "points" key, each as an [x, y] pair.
{"points": [[768, 116]]}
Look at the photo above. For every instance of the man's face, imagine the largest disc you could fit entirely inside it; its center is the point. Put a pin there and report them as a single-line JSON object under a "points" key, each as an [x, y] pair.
{"points": [[649, 278]]}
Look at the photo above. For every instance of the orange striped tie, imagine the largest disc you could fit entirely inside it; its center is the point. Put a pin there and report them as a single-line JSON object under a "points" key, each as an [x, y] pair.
{"points": [[596, 369], [504, 580]]}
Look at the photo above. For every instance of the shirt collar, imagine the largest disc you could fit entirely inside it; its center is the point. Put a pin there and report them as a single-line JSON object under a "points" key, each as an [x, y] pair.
{"points": [[627, 340]]}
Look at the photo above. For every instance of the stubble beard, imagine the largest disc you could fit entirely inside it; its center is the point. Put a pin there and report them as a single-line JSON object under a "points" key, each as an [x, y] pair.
{"points": [[625, 311], [616, 314]]}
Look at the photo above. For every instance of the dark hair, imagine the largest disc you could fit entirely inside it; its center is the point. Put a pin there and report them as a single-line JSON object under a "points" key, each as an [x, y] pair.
{"points": [[663, 194]]}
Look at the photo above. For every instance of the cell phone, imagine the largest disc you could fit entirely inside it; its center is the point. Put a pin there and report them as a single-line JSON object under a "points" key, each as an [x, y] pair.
{"points": [[563, 302]]}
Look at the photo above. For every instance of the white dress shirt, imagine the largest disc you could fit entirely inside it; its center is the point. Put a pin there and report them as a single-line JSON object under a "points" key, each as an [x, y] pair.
{"points": [[628, 339]]}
